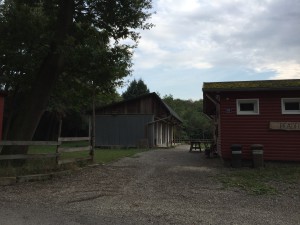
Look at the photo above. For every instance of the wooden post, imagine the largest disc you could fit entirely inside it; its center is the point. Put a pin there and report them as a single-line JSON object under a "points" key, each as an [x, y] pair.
{"points": [[167, 130], [57, 147], [91, 135], [172, 135], [92, 124]]}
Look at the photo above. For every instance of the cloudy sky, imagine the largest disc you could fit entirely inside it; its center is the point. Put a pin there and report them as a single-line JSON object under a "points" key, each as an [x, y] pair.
{"points": [[196, 41]]}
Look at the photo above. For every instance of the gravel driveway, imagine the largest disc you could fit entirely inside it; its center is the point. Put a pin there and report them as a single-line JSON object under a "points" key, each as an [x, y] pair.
{"points": [[166, 186]]}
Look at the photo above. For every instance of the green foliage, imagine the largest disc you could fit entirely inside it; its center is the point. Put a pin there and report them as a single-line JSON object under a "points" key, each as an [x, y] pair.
{"points": [[251, 182], [85, 58], [135, 89], [195, 123], [265, 181], [25, 41]]}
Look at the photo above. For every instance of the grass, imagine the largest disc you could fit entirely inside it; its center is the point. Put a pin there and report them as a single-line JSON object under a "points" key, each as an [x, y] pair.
{"points": [[100, 155], [51, 149], [267, 181], [35, 166]]}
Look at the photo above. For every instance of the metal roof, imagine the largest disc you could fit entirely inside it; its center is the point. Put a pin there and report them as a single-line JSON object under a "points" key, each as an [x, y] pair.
{"points": [[153, 94]]}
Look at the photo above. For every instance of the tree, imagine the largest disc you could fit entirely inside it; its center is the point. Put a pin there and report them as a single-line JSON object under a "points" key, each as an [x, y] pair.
{"points": [[72, 44], [135, 89], [195, 123]]}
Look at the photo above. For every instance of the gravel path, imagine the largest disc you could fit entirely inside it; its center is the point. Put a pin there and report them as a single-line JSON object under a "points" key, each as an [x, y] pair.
{"points": [[166, 186]]}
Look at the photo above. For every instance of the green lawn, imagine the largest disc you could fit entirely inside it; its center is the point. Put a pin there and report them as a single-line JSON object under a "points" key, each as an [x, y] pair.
{"points": [[34, 166], [100, 155], [52, 149], [104, 155], [269, 180]]}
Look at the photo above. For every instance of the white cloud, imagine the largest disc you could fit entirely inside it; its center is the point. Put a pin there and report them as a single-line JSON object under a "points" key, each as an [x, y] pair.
{"points": [[149, 54], [175, 6], [260, 37], [285, 70]]}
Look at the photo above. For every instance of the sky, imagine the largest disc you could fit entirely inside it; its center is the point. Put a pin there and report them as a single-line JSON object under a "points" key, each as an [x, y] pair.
{"points": [[196, 41]]}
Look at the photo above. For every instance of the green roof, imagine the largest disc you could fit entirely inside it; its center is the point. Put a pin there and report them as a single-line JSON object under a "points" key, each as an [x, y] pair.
{"points": [[293, 84]]}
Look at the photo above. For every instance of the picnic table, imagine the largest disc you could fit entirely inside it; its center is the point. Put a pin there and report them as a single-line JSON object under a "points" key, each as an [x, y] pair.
{"points": [[196, 144]]}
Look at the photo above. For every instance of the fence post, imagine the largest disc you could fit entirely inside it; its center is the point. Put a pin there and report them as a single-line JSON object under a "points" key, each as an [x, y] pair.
{"points": [[58, 142], [91, 136], [93, 125]]}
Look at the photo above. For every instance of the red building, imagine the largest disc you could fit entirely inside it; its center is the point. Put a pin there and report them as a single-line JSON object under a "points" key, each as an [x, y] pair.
{"points": [[255, 112]]}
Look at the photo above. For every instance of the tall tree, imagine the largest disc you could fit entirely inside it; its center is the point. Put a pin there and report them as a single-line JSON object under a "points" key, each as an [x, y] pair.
{"points": [[71, 43], [135, 89], [195, 123]]}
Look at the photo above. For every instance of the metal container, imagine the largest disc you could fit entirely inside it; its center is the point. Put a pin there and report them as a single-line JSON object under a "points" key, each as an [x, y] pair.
{"points": [[257, 155], [236, 156]]}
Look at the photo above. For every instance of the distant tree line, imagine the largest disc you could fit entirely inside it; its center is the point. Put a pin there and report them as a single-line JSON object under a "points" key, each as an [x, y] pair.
{"points": [[195, 124]]}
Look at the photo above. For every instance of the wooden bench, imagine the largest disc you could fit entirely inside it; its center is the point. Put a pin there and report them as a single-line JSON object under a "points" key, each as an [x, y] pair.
{"points": [[195, 145]]}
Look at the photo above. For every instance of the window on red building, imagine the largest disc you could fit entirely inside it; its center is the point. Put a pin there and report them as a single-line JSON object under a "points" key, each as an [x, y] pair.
{"points": [[247, 106], [290, 105]]}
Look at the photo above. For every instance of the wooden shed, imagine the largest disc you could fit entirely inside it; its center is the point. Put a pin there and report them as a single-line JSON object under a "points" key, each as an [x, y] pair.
{"points": [[255, 112], [145, 120]]}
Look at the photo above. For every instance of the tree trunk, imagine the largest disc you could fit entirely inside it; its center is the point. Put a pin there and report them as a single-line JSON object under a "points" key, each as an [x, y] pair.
{"points": [[32, 108]]}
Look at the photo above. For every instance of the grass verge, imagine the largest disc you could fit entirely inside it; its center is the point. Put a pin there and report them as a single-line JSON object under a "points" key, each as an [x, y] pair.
{"points": [[274, 179]]}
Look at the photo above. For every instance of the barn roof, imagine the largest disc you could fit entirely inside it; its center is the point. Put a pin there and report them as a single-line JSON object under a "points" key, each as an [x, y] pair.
{"points": [[293, 84], [154, 95]]}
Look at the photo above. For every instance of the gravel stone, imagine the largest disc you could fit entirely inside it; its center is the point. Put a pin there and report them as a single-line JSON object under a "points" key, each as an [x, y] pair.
{"points": [[165, 186]]}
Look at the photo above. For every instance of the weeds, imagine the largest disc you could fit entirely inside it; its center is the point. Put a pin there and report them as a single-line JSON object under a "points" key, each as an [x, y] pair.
{"points": [[264, 181]]}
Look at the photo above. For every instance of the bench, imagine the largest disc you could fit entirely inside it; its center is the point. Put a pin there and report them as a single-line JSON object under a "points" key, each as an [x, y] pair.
{"points": [[195, 145]]}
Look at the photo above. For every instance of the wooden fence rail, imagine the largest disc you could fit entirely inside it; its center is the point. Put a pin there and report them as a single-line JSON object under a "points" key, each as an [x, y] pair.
{"points": [[193, 140], [74, 139], [59, 149], [29, 156], [66, 149], [30, 143]]}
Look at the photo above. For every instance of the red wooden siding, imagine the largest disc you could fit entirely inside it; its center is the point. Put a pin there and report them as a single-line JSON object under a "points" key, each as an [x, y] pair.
{"points": [[254, 129]]}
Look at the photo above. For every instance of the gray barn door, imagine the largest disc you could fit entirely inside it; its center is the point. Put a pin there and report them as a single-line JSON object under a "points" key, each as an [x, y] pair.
{"points": [[123, 130]]}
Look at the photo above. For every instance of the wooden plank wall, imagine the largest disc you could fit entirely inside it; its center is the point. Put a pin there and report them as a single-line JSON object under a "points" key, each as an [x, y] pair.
{"points": [[255, 129]]}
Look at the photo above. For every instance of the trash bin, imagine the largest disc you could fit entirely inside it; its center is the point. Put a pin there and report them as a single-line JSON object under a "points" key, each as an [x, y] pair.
{"points": [[257, 155], [236, 156], [207, 152]]}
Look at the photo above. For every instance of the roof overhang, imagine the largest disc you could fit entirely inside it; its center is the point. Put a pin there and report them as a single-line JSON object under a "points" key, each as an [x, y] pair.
{"points": [[211, 90], [174, 117], [260, 85]]}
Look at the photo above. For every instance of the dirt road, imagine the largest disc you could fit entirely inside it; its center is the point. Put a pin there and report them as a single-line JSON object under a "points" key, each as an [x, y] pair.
{"points": [[166, 186]]}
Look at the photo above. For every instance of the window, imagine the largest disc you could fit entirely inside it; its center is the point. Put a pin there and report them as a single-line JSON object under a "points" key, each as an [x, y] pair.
{"points": [[247, 106], [290, 105]]}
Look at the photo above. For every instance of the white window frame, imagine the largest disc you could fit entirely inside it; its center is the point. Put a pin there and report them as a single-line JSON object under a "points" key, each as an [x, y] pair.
{"points": [[284, 100], [254, 112]]}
